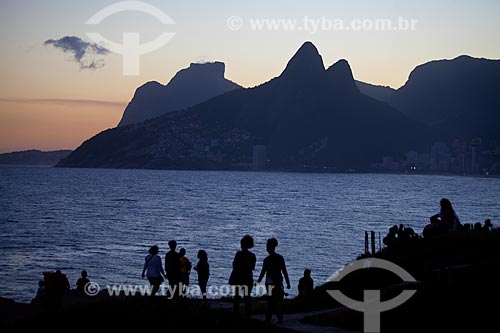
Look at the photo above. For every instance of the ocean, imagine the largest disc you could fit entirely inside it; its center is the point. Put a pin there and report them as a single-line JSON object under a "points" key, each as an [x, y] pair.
{"points": [[105, 220]]}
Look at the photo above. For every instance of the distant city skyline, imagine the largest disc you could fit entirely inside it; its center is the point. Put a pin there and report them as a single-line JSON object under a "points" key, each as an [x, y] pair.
{"points": [[49, 101]]}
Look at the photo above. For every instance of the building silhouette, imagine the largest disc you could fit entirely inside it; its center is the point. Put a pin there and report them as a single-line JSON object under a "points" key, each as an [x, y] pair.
{"points": [[259, 160]]}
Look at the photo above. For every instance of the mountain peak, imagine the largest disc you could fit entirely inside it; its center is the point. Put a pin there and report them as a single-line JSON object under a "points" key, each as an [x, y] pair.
{"points": [[190, 86], [215, 67], [306, 63], [308, 47], [213, 70], [341, 78], [341, 68]]}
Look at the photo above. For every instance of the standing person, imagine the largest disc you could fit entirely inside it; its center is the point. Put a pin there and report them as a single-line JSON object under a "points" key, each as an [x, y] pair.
{"points": [[274, 268], [172, 268], [82, 282], [154, 268], [185, 269], [242, 275], [203, 270], [306, 283]]}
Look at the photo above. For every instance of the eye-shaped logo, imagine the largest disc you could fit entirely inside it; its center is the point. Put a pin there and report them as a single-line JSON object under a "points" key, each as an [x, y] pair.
{"points": [[372, 306], [131, 49]]}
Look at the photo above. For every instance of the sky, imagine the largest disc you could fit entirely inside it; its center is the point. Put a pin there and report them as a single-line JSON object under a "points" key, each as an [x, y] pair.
{"points": [[51, 99]]}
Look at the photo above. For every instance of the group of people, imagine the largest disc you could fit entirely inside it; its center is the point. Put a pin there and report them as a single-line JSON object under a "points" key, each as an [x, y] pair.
{"points": [[55, 285], [273, 269], [399, 235], [178, 267], [447, 220]]}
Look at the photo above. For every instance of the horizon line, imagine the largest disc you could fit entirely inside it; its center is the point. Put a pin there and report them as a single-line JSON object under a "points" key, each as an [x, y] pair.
{"points": [[65, 101]]}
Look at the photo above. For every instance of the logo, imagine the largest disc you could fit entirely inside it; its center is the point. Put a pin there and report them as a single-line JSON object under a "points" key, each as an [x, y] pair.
{"points": [[372, 306], [131, 49], [91, 289]]}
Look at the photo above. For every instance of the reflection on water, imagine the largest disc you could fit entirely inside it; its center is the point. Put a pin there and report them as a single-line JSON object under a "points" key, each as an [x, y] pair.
{"points": [[105, 220]]}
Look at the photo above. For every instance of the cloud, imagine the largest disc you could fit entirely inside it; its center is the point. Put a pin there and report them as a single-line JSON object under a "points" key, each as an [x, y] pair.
{"points": [[83, 52], [67, 102]]}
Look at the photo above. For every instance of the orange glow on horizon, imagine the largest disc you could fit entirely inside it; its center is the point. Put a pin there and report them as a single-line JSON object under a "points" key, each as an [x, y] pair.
{"points": [[53, 126]]}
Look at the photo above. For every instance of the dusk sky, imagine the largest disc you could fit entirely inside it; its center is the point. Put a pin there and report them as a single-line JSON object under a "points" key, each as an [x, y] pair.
{"points": [[48, 102]]}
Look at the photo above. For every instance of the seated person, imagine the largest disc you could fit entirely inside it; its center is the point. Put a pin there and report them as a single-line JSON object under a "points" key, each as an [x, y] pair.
{"points": [[57, 287], [444, 221], [306, 283], [81, 282], [40, 293]]}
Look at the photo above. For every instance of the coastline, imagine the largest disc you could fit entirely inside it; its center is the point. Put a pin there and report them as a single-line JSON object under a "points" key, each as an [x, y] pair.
{"points": [[283, 170]]}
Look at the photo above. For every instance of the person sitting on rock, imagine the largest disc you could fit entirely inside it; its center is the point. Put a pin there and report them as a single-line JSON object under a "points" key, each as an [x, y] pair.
{"points": [[82, 282], [444, 221], [306, 283]]}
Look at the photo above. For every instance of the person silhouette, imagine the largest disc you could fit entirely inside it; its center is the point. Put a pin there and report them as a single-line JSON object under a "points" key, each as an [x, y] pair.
{"points": [[392, 237], [82, 281], [62, 280], [478, 226], [203, 270], [242, 275], [154, 268], [40, 293], [306, 283], [274, 268], [57, 287], [184, 269], [444, 221], [488, 226], [172, 268]]}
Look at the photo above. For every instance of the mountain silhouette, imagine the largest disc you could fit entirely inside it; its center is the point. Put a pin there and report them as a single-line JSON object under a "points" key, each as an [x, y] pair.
{"points": [[33, 157], [188, 87], [457, 98], [380, 93], [305, 65], [306, 117]]}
